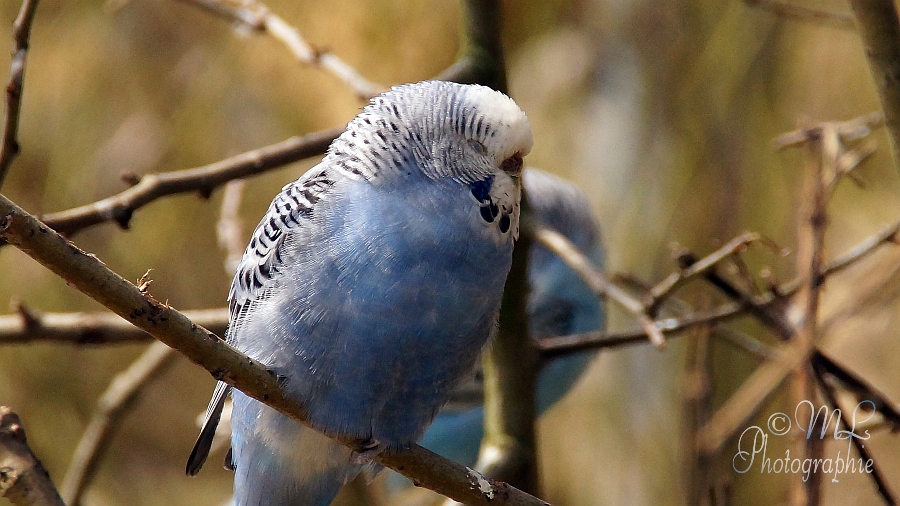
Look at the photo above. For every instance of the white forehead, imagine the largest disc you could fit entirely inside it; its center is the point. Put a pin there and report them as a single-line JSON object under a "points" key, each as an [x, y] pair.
{"points": [[514, 130], [473, 111]]}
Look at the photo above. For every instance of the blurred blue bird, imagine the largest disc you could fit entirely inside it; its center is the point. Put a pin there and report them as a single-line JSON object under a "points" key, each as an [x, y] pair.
{"points": [[371, 285], [559, 303]]}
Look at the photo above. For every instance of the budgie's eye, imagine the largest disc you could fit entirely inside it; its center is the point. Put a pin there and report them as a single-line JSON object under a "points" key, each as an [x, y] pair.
{"points": [[512, 165]]}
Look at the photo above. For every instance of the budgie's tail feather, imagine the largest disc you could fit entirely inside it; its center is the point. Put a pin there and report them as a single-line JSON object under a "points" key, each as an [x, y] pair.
{"points": [[281, 462], [210, 423]]}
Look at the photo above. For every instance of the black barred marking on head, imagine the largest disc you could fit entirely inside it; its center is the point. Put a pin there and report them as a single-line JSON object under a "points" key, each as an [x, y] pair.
{"points": [[430, 125]]}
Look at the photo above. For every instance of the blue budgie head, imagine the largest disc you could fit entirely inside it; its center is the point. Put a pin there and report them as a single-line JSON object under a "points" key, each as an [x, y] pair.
{"points": [[448, 133]]}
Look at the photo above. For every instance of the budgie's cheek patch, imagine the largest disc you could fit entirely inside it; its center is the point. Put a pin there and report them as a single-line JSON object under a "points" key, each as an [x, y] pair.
{"points": [[488, 208], [504, 223]]}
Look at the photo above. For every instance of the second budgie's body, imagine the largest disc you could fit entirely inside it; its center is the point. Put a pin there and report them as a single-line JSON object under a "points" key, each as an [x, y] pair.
{"points": [[372, 284]]}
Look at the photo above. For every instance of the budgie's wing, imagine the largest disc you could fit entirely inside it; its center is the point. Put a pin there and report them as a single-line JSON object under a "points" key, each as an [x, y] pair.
{"points": [[289, 211], [208, 432]]}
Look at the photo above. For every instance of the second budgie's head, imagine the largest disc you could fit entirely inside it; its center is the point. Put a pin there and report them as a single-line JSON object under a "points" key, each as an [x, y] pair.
{"points": [[464, 132]]}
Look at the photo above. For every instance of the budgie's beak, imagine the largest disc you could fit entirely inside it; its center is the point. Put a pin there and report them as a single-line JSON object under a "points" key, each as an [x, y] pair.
{"points": [[513, 165]]}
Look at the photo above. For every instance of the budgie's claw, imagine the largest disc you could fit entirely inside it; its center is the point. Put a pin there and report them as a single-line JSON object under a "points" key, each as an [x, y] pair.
{"points": [[366, 451]]}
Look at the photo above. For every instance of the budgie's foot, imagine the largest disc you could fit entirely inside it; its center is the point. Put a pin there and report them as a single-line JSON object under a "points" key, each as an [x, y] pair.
{"points": [[365, 451]]}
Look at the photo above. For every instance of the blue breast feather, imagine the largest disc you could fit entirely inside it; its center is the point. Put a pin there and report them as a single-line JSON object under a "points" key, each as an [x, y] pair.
{"points": [[369, 327]]}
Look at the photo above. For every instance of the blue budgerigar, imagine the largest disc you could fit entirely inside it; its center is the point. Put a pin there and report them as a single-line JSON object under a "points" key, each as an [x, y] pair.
{"points": [[371, 285], [559, 303]]}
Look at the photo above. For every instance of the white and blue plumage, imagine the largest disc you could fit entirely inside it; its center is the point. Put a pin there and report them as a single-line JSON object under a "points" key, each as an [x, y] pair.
{"points": [[559, 303], [371, 286]]}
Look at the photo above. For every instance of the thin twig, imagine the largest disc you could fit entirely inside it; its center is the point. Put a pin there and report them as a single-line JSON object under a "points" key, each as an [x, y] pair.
{"points": [[559, 346], [763, 382], [121, 207], [696, 398], [9, 145], [229, 229], [23, 479], [849, 130], [121, 394], [769, 309], [93, 278], [559, 245], [790, 10], [671, 283], [862, 250], [750, 396], [771, 313], [878, 478], [91, 328], [879, 28], [860, 388], [746, 343], [257, 16]]}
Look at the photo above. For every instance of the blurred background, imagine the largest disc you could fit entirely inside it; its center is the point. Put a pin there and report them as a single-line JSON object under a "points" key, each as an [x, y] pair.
{"points": [[662, 112]]}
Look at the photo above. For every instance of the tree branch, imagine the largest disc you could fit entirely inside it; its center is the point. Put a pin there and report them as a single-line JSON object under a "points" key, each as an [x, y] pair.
{"points": [[9, 145], [111, 408], [510, 365], [560, 346], [881, 484], [229, 229], [90, 276], [879, 27], [559, 245], [481, 58], [666, 287], [121, 207], [791, 10], [23, 479], [257, 16], [748, 399], [91, 328]]}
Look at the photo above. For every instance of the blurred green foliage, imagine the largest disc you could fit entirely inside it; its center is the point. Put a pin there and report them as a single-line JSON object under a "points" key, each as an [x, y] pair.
{"points": [[663, 112]]}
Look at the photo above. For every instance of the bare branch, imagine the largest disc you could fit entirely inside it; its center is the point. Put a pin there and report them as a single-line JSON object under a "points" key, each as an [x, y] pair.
{"points": [[559, 245], [748, 399], [769, 309], [849, 130], [91, 328], [23, 479], [751, 395], [229, 229], [863, 250], [552, 347], [510, 365], [798, 12], [666, 287], [93, 278], [111, 409], [257, 16], [9, 145], [860, 388], [881, 484], [696, 399], [879, 27], [121, 207]]}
